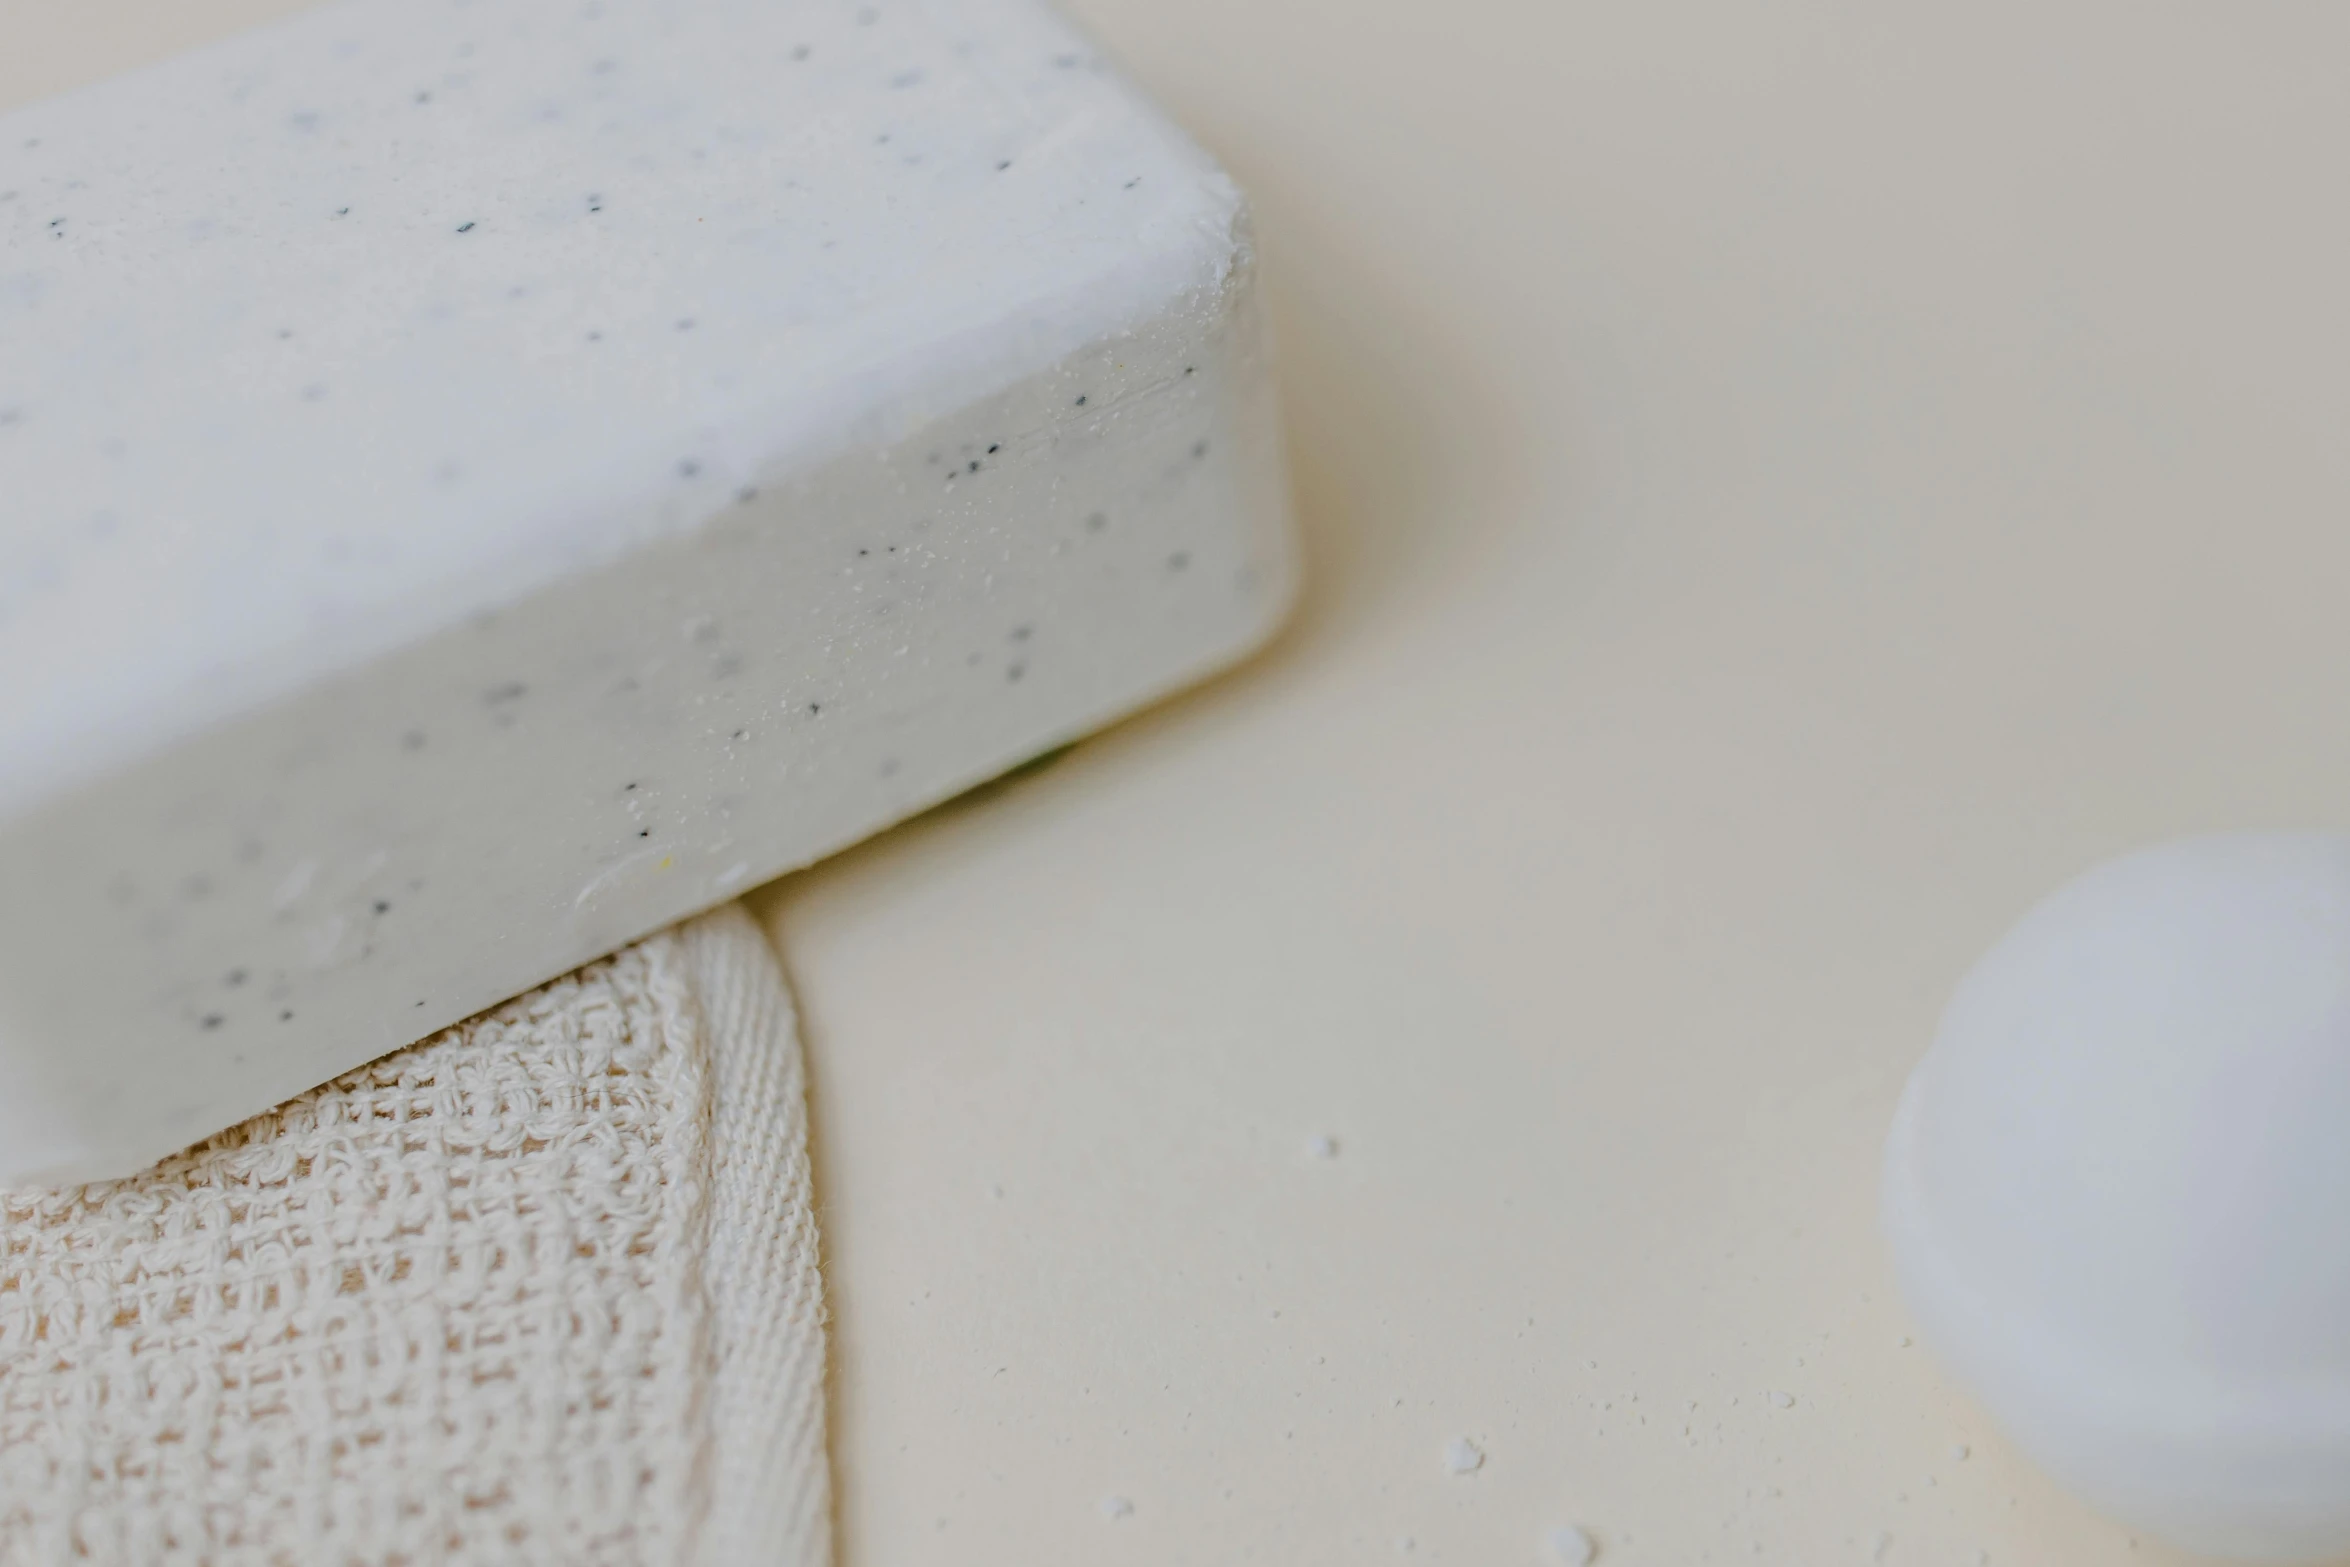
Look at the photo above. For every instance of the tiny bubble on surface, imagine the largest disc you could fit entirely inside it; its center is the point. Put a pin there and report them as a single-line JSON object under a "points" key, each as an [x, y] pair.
{"points": [[1573, 1546], [1116, 1507], [1322, 1148]]}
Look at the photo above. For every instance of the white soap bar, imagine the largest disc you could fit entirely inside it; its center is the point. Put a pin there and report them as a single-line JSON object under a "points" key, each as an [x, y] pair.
{"points": [[2117, 1191], [482, 479]]}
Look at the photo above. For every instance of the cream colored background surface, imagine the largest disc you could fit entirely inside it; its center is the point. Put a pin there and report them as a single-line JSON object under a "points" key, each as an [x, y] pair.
{"points": [[1787, 485]]}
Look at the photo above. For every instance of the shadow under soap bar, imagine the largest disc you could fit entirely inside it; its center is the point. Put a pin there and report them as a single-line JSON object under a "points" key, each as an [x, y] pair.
{"points": [[479, 482]]}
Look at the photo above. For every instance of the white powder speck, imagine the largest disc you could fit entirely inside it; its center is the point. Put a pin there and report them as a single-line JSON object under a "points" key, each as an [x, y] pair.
{"points": [[1463, 1456], [289, 892], [1901, 1342], [1959, 1452], [1322, 1148], [1115, 1507], [1405, 1544], [1782, 1400], [1573, 1546]]}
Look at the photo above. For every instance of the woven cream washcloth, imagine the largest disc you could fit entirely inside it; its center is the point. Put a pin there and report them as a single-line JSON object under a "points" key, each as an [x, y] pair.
{"points": [[540, 1289]]}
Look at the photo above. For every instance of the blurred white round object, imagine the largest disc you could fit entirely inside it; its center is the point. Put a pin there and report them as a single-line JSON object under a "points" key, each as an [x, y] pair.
{"points": [[2118, 1191]]}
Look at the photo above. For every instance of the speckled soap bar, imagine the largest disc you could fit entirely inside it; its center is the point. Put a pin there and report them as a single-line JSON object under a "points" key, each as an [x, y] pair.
{"points": [[482, 479]]}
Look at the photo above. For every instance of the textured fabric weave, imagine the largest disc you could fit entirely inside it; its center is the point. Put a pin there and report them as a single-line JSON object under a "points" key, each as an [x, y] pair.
{"points": [[541, 1289]]}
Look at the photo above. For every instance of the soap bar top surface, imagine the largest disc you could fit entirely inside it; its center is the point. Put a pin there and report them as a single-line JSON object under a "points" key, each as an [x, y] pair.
{"points": [[337, 334]]}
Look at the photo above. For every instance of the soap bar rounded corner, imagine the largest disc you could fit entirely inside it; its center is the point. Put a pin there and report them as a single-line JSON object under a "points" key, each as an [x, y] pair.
{"points": [[584, 656]]}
